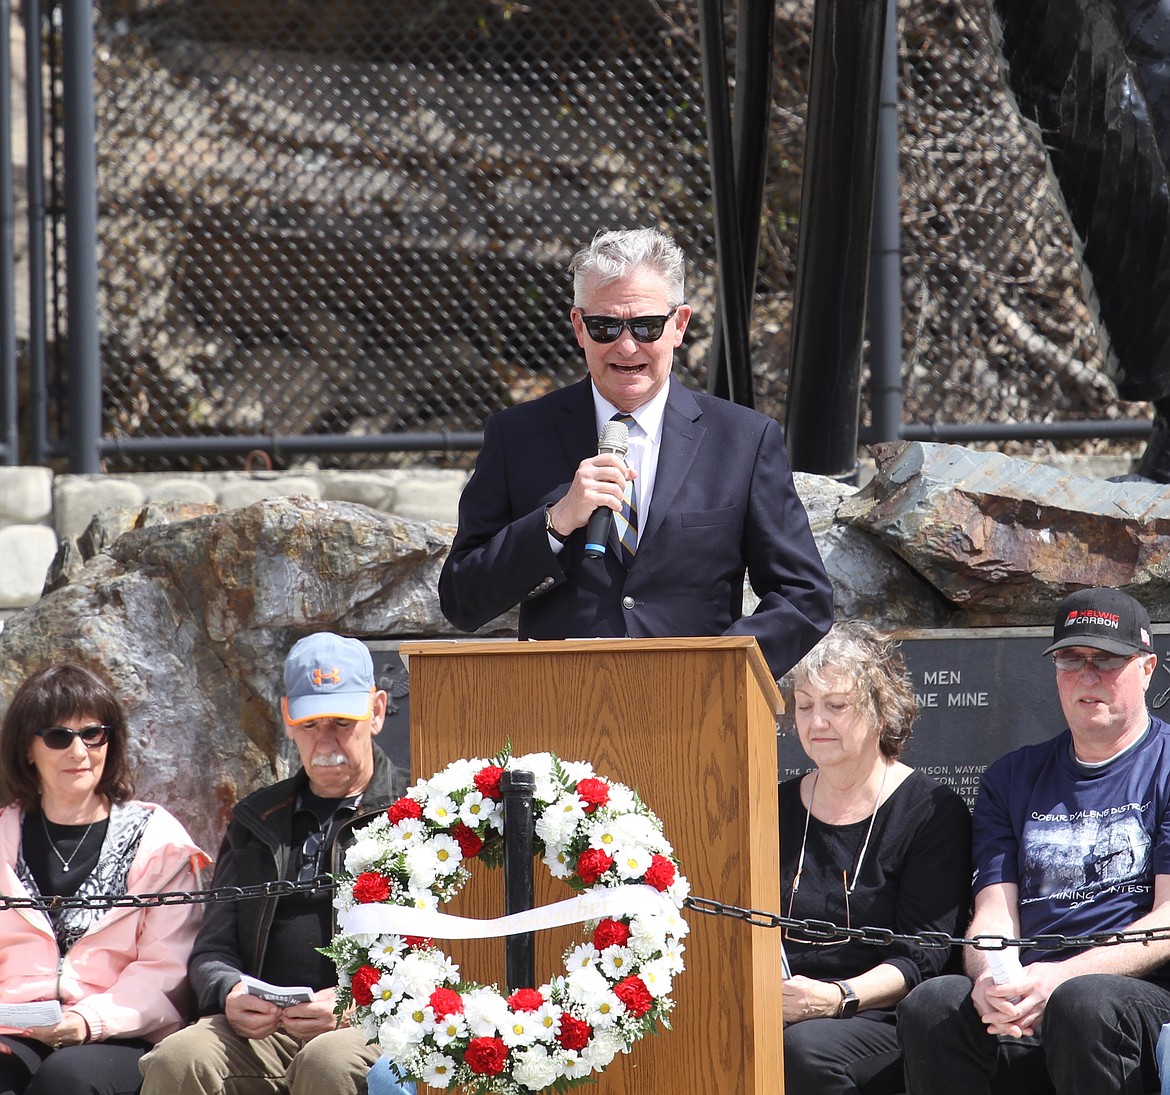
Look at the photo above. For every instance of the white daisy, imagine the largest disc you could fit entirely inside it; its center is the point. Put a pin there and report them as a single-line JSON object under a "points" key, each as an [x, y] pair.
{"points": [[438, 1070], [520, 1029], [557, 824], [447, 853], [657, 976], [474, 810], [584, 954], [606, 1011], [385, 949], [441, 810], [574, 1064], [548, 1020], [448, 1029], [556, 859], [632, 861], [616, 962]]}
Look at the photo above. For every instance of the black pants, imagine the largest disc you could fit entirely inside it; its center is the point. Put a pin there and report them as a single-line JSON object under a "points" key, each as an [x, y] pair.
{"points": [[29, 1067], [858, 1056], [1099, 1036]]}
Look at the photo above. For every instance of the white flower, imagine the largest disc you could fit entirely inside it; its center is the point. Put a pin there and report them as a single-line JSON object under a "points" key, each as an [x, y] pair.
{"points": [[363, 853], [486, 1012], [417, 1011], [577, 770], [603, 833], [418, 972], [405, 833], [438, 1070], [584, 954], [447, 853], [397, 1034], [606, 1011], [419, 897], [575, 1065], [448, 1029], [557, 824], [604, 1047], [520, 1029], [459, 774], [547, 788], [556, 859], [616, 962], [534, 1068], [441, 809], [673, 955], [386, 994], [621, 799], [631, 862], [588, 985], [474, 810], [385, 949], [422, 864], [657, 976], [548, 1020]]}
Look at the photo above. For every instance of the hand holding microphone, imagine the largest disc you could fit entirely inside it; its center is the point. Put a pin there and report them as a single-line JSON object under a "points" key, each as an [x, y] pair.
{"points": [[615, 438]]}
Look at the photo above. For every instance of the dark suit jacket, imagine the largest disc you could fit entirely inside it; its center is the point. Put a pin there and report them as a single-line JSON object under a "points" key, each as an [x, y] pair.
{"points": [[723, 502]]}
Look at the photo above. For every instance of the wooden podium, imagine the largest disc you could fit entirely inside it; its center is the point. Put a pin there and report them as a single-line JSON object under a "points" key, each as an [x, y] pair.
{"points": [[691, 725]]}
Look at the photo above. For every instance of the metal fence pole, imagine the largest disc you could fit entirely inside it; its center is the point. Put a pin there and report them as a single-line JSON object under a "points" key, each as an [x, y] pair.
{"points": [[8, 436], [38, 400], [83, 354], [519, 950], [836, 211], [732, 295]]}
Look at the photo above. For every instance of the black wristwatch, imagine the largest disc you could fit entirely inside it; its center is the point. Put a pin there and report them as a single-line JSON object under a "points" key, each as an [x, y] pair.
{"points": [[548, 526], [849, 1000]]}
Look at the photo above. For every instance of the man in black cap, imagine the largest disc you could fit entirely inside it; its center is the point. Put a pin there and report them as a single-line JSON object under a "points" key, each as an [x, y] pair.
{"points": [[1071, 836]]}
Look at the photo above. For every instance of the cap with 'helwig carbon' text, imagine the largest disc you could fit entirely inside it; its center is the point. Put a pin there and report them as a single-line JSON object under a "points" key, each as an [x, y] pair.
{"points": [[327, 676], [1104, 619]]}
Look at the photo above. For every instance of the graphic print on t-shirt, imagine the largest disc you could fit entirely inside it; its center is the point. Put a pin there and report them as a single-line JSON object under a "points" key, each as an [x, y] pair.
{"points": [[1079, 857]]}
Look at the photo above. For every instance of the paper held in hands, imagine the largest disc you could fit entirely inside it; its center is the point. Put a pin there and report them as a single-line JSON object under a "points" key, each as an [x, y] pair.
{"points": [[283, 996], [40, 1013]]}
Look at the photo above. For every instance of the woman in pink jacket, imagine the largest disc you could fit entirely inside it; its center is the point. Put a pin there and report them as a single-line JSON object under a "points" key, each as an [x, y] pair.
{"points": [[106, 983]]}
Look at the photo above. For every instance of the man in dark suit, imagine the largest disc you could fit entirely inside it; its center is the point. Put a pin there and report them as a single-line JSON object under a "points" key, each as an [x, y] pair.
{"points": [[712, 489]]}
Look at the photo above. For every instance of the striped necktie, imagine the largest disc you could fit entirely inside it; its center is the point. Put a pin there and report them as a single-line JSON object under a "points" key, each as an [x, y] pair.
{"points": [[626, 522]]}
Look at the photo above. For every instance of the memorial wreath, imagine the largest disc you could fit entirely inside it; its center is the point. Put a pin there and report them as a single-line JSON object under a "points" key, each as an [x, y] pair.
{"points": [[408, 995]]}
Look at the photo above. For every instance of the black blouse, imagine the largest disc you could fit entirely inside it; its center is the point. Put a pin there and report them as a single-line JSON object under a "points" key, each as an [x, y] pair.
{"points": [[915, 877]]}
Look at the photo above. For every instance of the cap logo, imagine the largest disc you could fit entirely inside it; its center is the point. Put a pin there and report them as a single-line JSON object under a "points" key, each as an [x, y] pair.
{"points": [[1093, 617], [320, 676]]}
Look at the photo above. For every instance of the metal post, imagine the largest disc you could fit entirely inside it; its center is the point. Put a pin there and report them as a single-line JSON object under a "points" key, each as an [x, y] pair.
{"points": [[749, 125], [38, 398], [885, 281], [519, 955], [836, 211], [8, 439], [83, 353], [733, 299]]}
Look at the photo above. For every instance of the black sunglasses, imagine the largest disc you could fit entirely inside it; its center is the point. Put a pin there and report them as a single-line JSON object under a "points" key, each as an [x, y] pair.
{"points": [[643, 328], [61, 737]]}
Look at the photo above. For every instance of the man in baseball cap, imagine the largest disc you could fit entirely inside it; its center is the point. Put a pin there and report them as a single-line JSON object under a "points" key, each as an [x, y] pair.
{"points": [[1071, 837], [253, 1040]]}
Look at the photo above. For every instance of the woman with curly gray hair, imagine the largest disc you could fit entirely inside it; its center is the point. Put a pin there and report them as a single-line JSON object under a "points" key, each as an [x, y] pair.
{"points": [[865, 841]]}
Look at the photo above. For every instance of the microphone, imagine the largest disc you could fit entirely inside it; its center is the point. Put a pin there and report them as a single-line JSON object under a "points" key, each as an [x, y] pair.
{"points": [[615, 438]]}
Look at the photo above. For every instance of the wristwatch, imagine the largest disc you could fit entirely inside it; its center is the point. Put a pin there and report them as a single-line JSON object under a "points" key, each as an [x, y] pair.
{"points": [[548, 526], [849, 1000]]}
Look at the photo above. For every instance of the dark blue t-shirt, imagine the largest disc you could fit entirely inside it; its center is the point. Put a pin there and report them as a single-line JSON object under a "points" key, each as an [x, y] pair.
{"points": [[1081, 844]]}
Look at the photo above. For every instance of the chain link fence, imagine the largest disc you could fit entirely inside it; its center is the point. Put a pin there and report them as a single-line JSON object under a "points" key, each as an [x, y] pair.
{"points": [[353, 217]]}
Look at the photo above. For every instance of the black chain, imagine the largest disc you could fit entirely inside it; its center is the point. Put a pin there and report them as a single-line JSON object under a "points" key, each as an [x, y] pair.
{"points": [[817, 931]]}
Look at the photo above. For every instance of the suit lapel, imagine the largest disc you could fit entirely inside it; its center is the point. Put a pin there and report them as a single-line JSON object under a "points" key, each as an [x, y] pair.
{"points": [[577, 424], [682, 432]]}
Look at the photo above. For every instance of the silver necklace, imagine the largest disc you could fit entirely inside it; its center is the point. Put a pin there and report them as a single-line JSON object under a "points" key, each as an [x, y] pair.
{"points": [[849, 886], [65, 863]]}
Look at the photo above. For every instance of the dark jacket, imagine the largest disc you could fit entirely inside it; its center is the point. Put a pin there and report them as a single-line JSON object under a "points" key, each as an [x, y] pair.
{"points": [[256, 849], [724, 503]]}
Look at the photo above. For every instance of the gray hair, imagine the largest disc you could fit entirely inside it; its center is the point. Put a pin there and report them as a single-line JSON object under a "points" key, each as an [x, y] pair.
{"points": [[873, 673], [614, 255]]}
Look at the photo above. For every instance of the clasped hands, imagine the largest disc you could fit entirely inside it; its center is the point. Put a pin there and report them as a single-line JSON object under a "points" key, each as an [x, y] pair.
{"points": [[253, 1017], [1016, 1008], [598, 481]]}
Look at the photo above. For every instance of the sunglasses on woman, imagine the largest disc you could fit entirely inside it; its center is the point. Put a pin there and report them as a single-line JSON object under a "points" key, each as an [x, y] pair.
{"points": [[642, 328], [61, 737]]}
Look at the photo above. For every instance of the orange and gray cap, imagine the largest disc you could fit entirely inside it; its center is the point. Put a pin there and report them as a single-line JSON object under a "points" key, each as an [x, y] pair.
{"points": [[328, 677]]}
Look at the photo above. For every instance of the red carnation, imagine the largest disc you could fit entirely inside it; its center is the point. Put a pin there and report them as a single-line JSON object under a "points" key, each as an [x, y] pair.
{"points": [[418, 941], [660, 873], [469, 841], [487, 781], [594, 793], [404, 807], [370, 887], [574, 1032], [525, 1000], [362, 984], [486, 1056], [592, 864], [610, 933], [635, 995], [446, 1002]]}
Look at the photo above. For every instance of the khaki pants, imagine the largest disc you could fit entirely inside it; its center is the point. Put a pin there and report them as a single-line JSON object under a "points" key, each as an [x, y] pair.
{"points": [[209, 1058]]}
